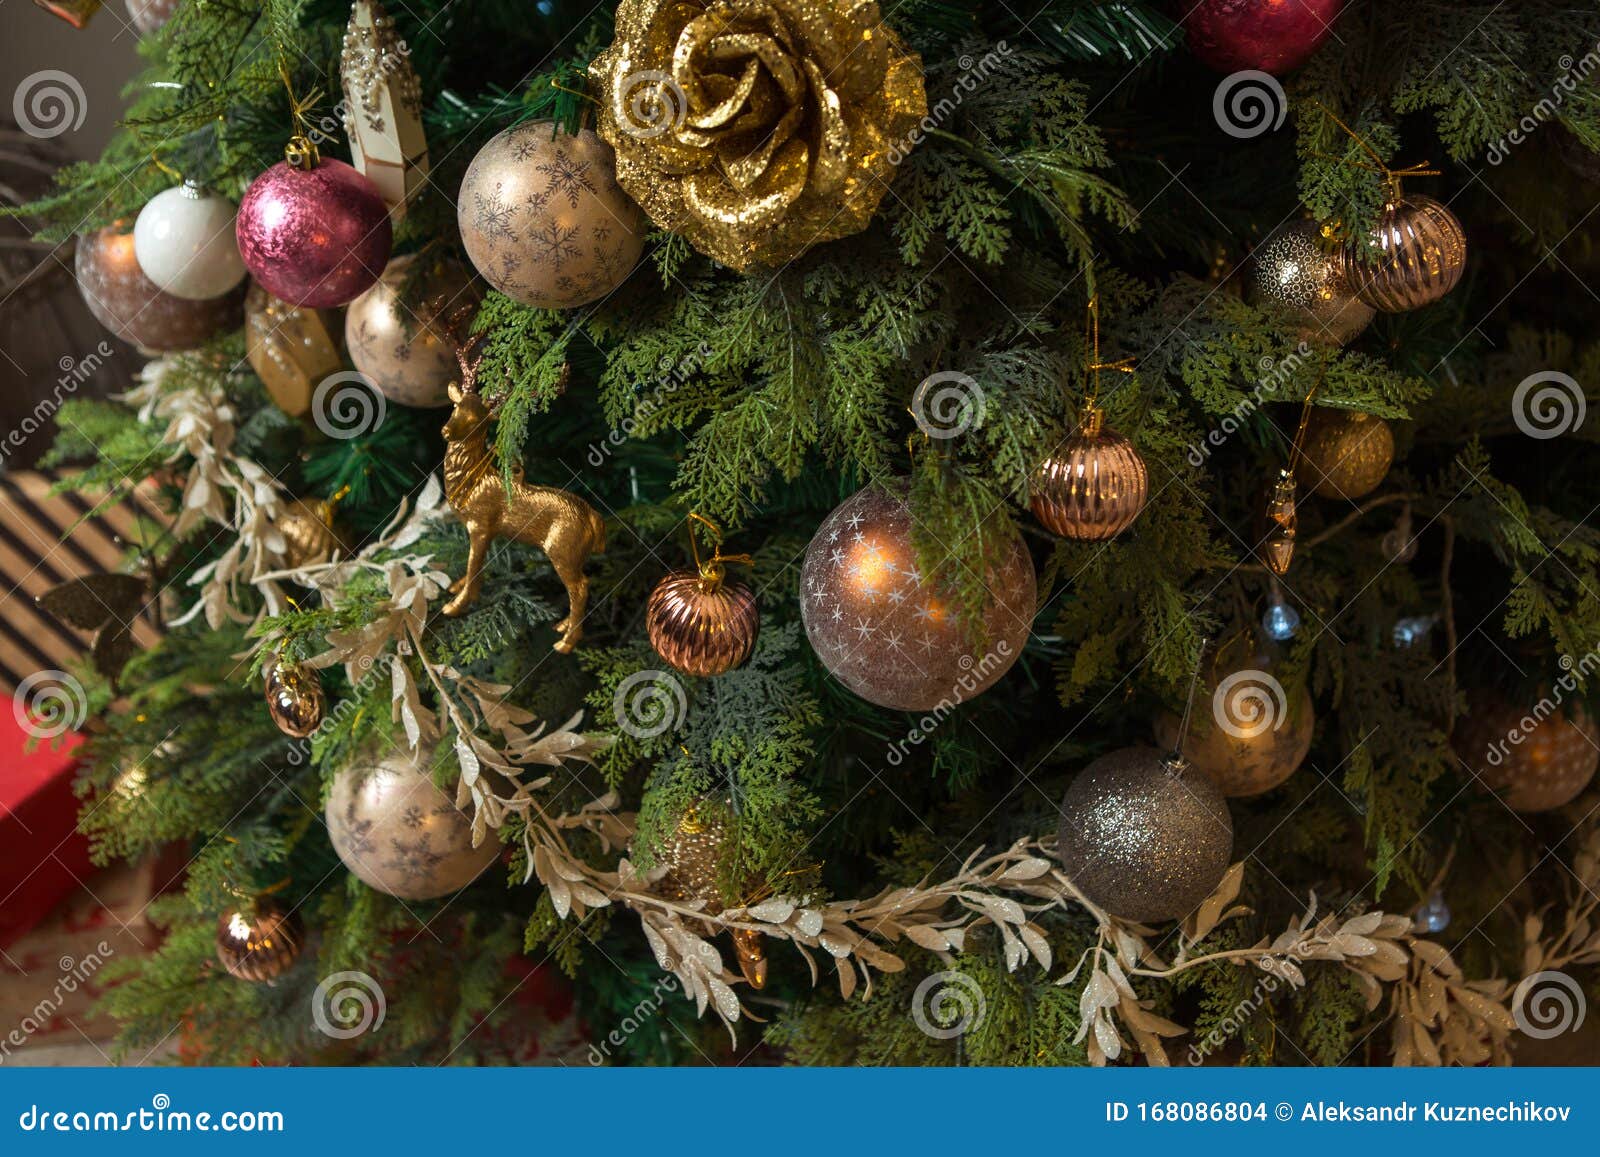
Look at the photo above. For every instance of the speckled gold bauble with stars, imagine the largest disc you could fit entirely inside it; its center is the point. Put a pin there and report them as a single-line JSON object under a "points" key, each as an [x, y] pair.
{"points": [[1300, 276], [885, 633], [1534, 762], [690, 858], [543, 219], [1093, 487], [292, 348], [311, 533], [1144, 836], [398, 331], [1243, 757], [1347, 453], [702, 624], [295, 699], [399, 833], [1416, 255], [757, 129], [259, 941]]}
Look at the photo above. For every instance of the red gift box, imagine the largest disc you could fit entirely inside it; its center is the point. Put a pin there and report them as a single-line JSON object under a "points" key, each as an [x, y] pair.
{"points": [[42, 855]]}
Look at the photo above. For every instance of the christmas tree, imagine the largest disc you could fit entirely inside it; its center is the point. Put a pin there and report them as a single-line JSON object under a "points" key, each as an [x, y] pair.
{"points": [[924, 533]]}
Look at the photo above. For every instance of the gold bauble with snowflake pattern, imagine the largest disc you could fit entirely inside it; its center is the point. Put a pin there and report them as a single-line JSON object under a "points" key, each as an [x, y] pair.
{"points": [[892, 637], [543, 218]]}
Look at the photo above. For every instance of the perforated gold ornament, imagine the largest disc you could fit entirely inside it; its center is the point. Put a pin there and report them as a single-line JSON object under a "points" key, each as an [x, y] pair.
{"points": [[1301, 277], [1416, 255], [757, 128], [1347, 454], [1534, 759]]}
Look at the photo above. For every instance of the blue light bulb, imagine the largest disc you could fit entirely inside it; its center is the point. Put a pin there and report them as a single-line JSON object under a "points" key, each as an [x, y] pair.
{"points": [[1434, 916], [1281, 622]]}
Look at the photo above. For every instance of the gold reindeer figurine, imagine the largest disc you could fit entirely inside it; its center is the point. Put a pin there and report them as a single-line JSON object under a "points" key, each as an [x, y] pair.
{"points": [[563, 525]]}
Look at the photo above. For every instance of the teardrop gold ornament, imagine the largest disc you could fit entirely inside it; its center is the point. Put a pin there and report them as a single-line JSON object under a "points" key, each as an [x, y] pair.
{"points": [[295, 699]]}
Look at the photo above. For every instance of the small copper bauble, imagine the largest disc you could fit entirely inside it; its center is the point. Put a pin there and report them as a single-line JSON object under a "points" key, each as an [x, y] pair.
{"points": [[295, 699], [1144, 836], [1093, 487], [701, 623], [1300, 277], [401, 834], [1415, 257], [133, 308], [259, 941], [290, 347], [887, 634], [311, 533], [1535, 759], [543, 219], [1346, 454], [1250, 741], [397, 330], [691, 857]]}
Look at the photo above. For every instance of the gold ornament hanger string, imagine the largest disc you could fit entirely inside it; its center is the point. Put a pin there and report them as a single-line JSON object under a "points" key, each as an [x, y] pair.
{"points": [[712, 569], [1092, 419], [301, 151], [1391, 177], [1298, 446], [1175, 761]]}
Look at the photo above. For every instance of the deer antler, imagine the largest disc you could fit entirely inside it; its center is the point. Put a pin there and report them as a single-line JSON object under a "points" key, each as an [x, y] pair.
{"points": [[470, 356]]}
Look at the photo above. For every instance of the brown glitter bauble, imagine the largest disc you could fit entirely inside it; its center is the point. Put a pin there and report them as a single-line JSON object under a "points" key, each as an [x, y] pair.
{"points": [[295, 699], [261, 941], [292, 348], [1298, 277], [1090, 489], [1535, 759], [130, 305], [406, 349], [544, 220], [1415, 257], [690, 859], [310, 532], [1142, 837], [886, 634], [1243, 760], [702, 624], [400, 834], [1347, 453]]}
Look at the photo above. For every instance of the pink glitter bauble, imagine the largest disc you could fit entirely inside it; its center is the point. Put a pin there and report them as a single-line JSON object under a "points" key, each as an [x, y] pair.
{"points": [[1272, 36], [316, 239]]}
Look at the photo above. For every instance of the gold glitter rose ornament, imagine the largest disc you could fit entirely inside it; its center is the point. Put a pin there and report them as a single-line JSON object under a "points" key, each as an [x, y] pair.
{"points": [[757, 128]]}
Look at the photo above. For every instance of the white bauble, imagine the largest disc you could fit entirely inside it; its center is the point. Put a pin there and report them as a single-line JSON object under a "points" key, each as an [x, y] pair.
{"points": [[184, 242]]}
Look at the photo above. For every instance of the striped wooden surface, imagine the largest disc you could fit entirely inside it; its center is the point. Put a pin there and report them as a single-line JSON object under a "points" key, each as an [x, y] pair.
{"points": [[37, 553]]}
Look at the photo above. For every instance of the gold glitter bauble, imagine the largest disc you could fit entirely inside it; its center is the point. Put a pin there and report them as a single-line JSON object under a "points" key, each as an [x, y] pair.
{"points": [[261, 941], [1092, 488], [757, 128], [1296, 276], [1347, 454], [691, 857], [1415, 257], [702, 624], [399, 833], [290, 347], [402, 343], [310, 532], [1243, 757], [1534, 760], [295, 699], [543, 219], [133, 307], [1144, 838], [886, 634]]}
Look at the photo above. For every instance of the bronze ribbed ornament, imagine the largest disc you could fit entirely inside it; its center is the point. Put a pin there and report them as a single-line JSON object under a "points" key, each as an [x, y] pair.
{"points": [[1093, 487], [294, 697], [259, 942], [702, 624], [1415, 257]]}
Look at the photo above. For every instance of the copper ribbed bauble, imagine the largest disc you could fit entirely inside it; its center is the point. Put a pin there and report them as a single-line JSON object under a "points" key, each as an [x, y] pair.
{"points": [[1534, 759], [702, 624], [317, 237], [261, 941], [291, 348], [133, 308], [1347, 453], [1092, 488], [1416, 256], [1266, 35], [400, 834], [402, 343], [295, 699], [1243, 760], [544, 220], [1144, 837], [1302, 279], [885, 633]]}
